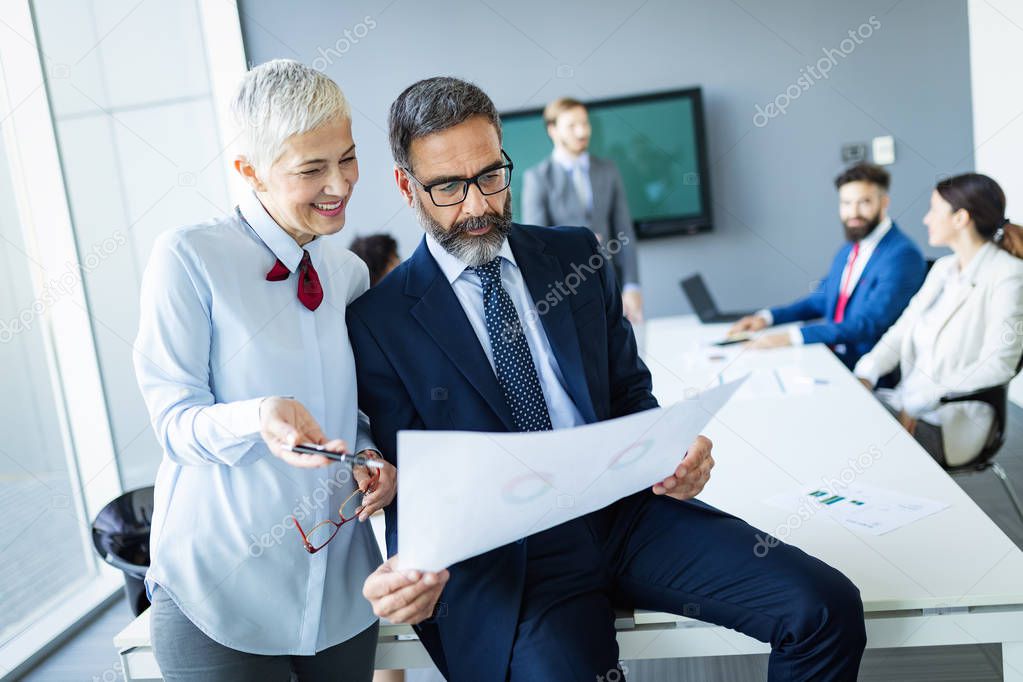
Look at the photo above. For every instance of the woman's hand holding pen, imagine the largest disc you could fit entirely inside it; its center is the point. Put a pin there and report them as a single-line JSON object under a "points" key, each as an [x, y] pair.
{"points": [[284, 423]]}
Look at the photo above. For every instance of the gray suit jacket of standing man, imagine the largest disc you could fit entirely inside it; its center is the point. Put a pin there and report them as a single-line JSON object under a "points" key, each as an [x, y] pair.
{"points": [[549, 199]]}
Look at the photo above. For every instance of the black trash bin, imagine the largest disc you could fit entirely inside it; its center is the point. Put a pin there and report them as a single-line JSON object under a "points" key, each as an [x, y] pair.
{"points": [[120, 535]]}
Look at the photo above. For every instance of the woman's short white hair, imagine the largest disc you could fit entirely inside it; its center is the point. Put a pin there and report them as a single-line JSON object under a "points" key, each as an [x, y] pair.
{"points": [[278, 99]]}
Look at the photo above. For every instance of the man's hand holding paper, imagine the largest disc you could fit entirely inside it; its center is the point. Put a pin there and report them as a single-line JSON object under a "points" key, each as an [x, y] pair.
{"points": [[692, 473]]}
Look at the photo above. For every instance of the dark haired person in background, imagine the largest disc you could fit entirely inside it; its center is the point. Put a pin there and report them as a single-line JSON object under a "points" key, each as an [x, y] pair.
{"points": [[573, 188], [871, 280], [379, 252], [962, 332]]}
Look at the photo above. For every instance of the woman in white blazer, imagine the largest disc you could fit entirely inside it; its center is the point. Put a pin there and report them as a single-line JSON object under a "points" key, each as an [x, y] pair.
{"points": [[963, 330]]}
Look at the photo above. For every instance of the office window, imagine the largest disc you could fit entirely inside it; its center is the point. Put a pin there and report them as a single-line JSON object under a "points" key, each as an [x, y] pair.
{"points": [[42, 541], [130, 91], [110, 136]]}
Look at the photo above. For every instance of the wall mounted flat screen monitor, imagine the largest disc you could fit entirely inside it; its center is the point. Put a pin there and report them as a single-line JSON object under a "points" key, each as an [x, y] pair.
{"points": [[657, 141]]}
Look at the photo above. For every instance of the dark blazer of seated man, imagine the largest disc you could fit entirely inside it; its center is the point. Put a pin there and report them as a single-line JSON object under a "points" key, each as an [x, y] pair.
{"points": [[452, 339], [871, 279]]}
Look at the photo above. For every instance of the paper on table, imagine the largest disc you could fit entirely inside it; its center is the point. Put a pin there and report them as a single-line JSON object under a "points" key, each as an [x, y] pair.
{"points": [[463, 493], [862, 508], [773, 382]]}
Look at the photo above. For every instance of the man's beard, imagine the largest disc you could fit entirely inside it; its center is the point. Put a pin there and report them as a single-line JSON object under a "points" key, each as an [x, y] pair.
{"points": [[854, 234], [471, 250]]}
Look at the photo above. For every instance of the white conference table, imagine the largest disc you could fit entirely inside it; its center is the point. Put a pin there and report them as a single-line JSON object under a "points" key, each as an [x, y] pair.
{"points": [[951, 578]]}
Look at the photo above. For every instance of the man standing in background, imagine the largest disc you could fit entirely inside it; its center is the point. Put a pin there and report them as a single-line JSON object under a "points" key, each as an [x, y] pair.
{"points": [[573, 188]]}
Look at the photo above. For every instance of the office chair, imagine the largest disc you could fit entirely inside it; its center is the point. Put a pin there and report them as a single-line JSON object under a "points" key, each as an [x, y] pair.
{"points": [[998, 398], [120, 535]]}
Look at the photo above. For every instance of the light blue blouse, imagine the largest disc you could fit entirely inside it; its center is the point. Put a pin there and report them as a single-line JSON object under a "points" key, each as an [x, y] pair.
{"points": [[215, 338]]}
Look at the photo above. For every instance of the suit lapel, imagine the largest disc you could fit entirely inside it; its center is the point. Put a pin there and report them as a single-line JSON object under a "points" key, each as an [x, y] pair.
{"points": [[961, 296], [539, 270], [441, 315], [871, 265], [599, 192], [964, 293], [879, 251]]}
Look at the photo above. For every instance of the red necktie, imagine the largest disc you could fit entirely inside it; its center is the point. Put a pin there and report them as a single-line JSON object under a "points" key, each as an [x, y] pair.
{"points": [[845, 292], [309, 290]]}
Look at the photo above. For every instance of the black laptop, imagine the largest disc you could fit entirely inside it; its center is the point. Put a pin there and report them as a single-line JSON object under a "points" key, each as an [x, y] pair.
{"points": [[702, 303]]}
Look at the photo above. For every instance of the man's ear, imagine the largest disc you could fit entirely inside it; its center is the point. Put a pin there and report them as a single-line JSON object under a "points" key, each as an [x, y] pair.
{"points": [[550, 131], [248, 173], [404, 185], [886, 200]]}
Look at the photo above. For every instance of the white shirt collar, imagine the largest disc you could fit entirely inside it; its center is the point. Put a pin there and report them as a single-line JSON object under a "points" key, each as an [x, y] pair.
{"points": [[569, 163], [280, 243], [452, 266], [875, 237]]}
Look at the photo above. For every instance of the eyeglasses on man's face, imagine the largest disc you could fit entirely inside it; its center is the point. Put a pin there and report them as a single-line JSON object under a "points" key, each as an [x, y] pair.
{"points": [[452, 191]]}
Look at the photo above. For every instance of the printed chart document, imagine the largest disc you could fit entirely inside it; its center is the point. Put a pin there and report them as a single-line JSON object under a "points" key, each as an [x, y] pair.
{"points": [[463, 493], [860, 507]]}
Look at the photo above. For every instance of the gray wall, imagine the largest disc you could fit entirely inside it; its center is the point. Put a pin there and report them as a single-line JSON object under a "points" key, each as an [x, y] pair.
{"points": [[775, 209]]}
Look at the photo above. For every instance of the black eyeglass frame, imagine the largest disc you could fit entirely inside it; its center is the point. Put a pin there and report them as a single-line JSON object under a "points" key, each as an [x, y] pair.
{"points": [[466, 182]]}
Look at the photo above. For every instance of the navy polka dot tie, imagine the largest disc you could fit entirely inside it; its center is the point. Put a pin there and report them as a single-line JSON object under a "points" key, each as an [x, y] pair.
{"points": [[513, 363]]}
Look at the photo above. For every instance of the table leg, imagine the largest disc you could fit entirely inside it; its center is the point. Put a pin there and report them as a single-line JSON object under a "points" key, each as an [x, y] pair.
{"points": [[127, 673]]}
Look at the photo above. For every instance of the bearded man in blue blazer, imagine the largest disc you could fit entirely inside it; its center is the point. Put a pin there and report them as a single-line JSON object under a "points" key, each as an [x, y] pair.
{"points": [[869, 284], [494, 326]]}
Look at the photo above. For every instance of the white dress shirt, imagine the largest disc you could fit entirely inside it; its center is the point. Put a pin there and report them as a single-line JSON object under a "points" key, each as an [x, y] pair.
{"points": [[867, 246], [215, 338], [469, 290], [578, 170]]}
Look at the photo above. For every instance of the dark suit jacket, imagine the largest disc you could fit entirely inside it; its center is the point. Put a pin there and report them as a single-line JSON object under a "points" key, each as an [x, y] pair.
{"points": [[893, 274], [548, 198], [421, 366]]}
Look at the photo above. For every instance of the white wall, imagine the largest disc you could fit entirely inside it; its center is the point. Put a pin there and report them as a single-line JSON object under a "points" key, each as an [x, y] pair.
{"points": [[996, 62]]}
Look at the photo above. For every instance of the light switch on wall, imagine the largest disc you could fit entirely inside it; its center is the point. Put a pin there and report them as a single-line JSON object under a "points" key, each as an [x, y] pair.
{"points": [[854, 152], [884, 150]]}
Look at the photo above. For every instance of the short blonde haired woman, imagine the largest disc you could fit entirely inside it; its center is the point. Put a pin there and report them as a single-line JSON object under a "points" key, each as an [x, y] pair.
{"points": [[255, 573]]}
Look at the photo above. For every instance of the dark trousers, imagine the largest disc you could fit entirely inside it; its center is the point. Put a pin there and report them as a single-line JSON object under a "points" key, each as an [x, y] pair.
{"points": [[184, 653], [686, 558]]}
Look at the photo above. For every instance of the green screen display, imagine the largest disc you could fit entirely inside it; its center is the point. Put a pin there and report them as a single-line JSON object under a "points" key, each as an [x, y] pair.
{"points": [[655, 141]]}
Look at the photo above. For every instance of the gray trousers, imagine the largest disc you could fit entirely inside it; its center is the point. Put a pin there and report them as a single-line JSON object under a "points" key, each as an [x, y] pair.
{"points": [[185, 653]]}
